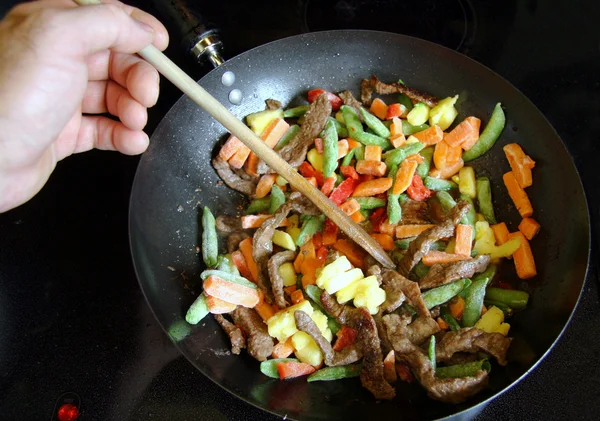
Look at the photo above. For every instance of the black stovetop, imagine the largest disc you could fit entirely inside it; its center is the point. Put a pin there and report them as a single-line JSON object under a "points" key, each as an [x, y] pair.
{"points": [[73, 319]]}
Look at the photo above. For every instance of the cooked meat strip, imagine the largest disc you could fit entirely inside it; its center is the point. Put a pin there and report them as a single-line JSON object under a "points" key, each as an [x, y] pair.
{"points": [[368, 85], [332, 256], [386, 346], [314, 122], [235, 334], [226, 173], [461, 358], [273, 104], [244, 175], [234, 240], [416, 332], [375, 270], [420, 246], [394, 282], [300, 204], [415, 212], [260, 344], [276, 280], [435, 212], [333, 308], [444, 273], [228, 224], [435, 312], [349, 100], [472, 339]]}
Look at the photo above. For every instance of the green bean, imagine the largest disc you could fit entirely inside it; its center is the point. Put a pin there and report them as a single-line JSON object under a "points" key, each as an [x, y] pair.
{"points": [[394, 210], [226, 264], [179, 330], [409, 308], [314, 295], [439, 184], [423, 167], [462, 370], [397, 256], [330, 149], [449, 319], [340, 127], [487, 274], [335, 373], [474, 302], [360, 153], [374, 124], [366, 212], [228, 277], [269, 367], [371, 139], [446, 200], [352, 121], [463, 293], [409, 129], [295, 112], [338, 179], [370, 202], [396, 156], [348, 158], [404, 243], [259, 205], [488, 136], [505, 309], [439, 295], [471, 216], [510, 297], [287, 136], [210, 245], [484, 198], [432, 352], [309, 228], [421, 269], [403, 198], [277, 199], [197, 311], [405, 100]]}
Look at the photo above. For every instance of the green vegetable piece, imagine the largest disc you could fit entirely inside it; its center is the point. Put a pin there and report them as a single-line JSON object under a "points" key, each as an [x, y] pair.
{"points": [[405, 100], [487, 274], [439, 246], [228, 277], [439, 295], [330, 149], [311, 225], [488, 136], [421, 269], [360, 153], [432, 351], [314, 295], [335, 373], [226, 264], [370, 202], [439, 184], [397, 255], [510, 297], [287, 136], [424, 167], [471, 216], [353, 123], [484, 198], [258, 205], [210, 245], [462, 370], [396, 156], [449, 319], [371, 139], [474, 302], [340, 128], [409, 308], [404, 243], [269, 367], [375, 124], [348, 158], [446, 200], [295, 112], [197, 311], [505, 309], [277, 199], [338, 179], [179, 330], [409, 129], [394, 210]]}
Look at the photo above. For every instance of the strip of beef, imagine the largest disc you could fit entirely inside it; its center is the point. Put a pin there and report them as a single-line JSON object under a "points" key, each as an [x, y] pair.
{"points": [[332, 256], [235, 334], [234, 181], [314, 122], [273, 104], [420, 246], [228, 224], [260, 344], [276, 280], [386, 346], [234, 240], [244, 175], [416, 332], [367, 87], [472, 340], [375, 270], [349, 100], [444, 273], [415, 212], [396, 283]]}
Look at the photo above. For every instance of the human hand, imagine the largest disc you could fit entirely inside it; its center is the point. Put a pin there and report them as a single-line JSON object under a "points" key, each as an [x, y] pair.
{"points": [[59, 63]]}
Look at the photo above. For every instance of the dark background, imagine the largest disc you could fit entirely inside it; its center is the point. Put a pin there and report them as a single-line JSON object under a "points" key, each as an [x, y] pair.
{"points": [[73, 319]]}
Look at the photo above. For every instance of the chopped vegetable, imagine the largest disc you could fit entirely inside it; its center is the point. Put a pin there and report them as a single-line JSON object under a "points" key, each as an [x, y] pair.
{"points": [[230, 147], [255, 221], [335, 373], [423, 168], [372, 187], [529, 227], [350, 206], [295, 112], [374, 124], [277, 199], [430, 136], [210, 246], [484, 198], [518, 195], [434, 257], [355, 254], [269, 367], [343, 191], [437, 184], [448, 171], [462, 370], [500, 233], [197, 311], [467, 183], [404, 176], [431, 352], [444, 113], [283, 349], [411, 230], [375, 168], [417, 190], [488, 136], [509, 297], [352, 121], [329, 233], [389, 367], [523, 257], [465, 134], [218, 306], [259, 205], [345, 337], [384, 240], [419, 114], [246, 249], [372, 139], [520, 164], [493, 322], [330, 149], [379, 108], [474, 302], [364, 292], [446, 200], [396, 156], [311, 225], [264, 186], [464, 239], [231, 292], [440, 295], [457, 307], [287, 137], [334, 100], [270, 135]]}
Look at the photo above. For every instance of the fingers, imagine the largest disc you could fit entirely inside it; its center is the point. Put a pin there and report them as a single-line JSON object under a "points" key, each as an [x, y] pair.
{"points": [[106, 134], [103, 96]]}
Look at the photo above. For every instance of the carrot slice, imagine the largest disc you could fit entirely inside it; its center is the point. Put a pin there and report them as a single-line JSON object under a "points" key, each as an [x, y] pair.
{"points": [[520, 164], [453, 155], [240, 262], [464, 240], [518, 195], [218, 306], [386, 228], [298, 262], [308, 268], [439, 154], [343, 148], [457, 307], [350, 206], [246, 249], [255, 221], [371, 167], [379, 108], [411, 230], [386, 241], [283, 349], [447, 171], [265, 310], [442, 323], [291, 369], [529, 227], [313, 181], [353, 143], [405, 175], [308, 250], [230, 291], [466, 134], [327, 186], [329, 233], [230, 147], [372, 153], [290, 289], [398, 140], [372, 187], [389, 367], [271, 135], [435, 256], [239, 158], [357, 217], [396, 127], [319, 144], [354, 253], [418, 158], [523, 257], [430, 136], [264, 185], [297, 296], [500, 233], [404, 373]]}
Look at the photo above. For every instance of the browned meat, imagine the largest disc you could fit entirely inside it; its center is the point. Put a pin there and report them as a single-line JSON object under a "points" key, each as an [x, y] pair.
{"points": [[228, 223], [234, 240], [471, 340], [350, 101], [420, 246], [415, 212], [436, 213], [416, 332], [332, 256], [368, 85], [235, 334], [260, 344], [444, 273], [273, 104], [302, 205], [375, 270], [386, 346], [435, 312], [244, 175], [335, 309], [234, 181], [394, 296], [276, 280], [461, 358], [394, 282]]}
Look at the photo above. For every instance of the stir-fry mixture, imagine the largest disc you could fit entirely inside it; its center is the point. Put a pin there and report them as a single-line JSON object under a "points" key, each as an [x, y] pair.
{"points": [[304, 300]]}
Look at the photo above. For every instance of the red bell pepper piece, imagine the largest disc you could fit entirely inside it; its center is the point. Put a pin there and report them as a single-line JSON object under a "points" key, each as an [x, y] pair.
{"points": [[365, 177], [396, 110], [319, 144], [345, 337], [308, 171], [504, 285], [348, 171], [322, 253], [329, 233], [334, 100], [404, 373], [317, 240], [377, 213], [290, 369], [376, 223], [343, 191], [417, 190], [328, 186]]}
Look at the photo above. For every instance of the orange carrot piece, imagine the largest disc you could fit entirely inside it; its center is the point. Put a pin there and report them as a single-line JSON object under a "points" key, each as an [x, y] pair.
{"points": [[500, 233], [240, 262], [283, 349], [430, 136], [442, 323], [218, 306], [404, 373], [389, 367], [308, 250], [350, 206], [298, 262], [308, 269], [357, 217], [290, 289], [265, 310], [313, 181], [246, 249], [264, 185], [434, 256], [297, 296], [439, 154], [353, 143], [387, 228], [453, 156], [518, 195], [346, 336], [328, 185], [255, 221], [411, 230], [376, 168], [396, 127], [523, 257], [230, 147], [230, 291], [239, 158], [520, 164], [354, 253], [398, 140], [448, 171], [372, 153], [379, 108], [372, 187], [342, 148], [457, 307], [271, 135], [404, 176], [385, 241], [464, 240], [330, 234], [418, 158], [291, 369], [466, 134], [529, 227]]}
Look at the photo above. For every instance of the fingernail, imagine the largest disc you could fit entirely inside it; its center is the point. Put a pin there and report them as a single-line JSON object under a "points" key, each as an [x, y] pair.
{"points": [[146, 27]]}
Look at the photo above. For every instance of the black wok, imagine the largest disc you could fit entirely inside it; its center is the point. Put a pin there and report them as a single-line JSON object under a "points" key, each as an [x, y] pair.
{"points": [[175, 177]]}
